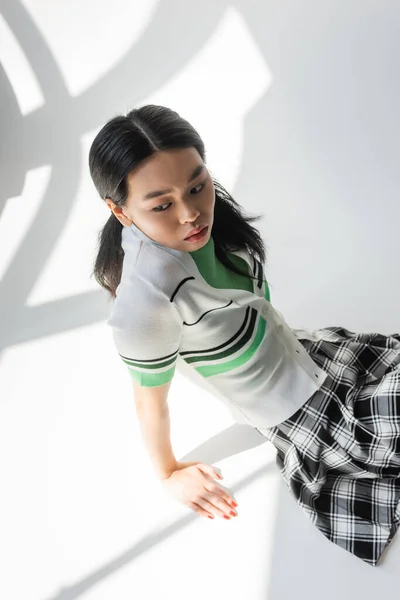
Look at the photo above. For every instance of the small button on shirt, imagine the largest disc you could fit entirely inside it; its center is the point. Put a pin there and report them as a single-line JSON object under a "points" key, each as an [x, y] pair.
{"points": [[187, 311]]}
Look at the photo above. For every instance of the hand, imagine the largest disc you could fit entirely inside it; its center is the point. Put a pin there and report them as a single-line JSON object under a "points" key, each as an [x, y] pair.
{"points": [[192, 484]]}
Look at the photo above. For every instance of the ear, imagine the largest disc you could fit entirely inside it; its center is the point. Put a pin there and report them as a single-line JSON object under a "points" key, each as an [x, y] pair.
{"points": [[118, 212]]}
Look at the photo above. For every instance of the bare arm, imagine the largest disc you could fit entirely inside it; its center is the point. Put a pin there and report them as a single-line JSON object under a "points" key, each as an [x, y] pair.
{"points": [[153, 414], [195, 486]]}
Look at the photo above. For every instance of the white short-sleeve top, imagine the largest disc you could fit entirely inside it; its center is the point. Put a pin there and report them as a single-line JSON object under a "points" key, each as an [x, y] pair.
{"points": [[186, 310]]}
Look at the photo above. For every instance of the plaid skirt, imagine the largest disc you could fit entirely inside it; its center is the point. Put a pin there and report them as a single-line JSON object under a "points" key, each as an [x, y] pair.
{"points": [[339, 454]]}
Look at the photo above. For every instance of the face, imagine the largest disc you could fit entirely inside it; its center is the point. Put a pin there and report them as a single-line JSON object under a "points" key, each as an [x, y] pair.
{"points": [[169, 218]]}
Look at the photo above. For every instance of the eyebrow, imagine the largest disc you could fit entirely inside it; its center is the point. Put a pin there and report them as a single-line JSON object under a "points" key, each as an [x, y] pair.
{"points": [[195, 174]]}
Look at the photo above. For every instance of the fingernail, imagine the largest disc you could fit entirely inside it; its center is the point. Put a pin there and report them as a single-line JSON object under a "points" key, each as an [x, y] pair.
{"points": [[226, 517], [210, 517], [234, 504], [234, 514]]}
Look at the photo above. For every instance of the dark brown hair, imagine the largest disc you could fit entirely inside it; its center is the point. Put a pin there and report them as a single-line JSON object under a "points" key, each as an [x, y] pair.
{"points": [[119, 147]]}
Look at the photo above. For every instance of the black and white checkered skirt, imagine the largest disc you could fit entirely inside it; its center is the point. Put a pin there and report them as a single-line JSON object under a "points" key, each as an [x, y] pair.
{"points": [[340, 453]]}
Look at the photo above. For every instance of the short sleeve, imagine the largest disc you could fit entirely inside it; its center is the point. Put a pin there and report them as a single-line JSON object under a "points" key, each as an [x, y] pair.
{"points": [[147, 330]]}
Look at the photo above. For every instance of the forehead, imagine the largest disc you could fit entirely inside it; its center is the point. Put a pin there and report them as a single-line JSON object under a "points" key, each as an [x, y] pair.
{"points": [[164, 168]]}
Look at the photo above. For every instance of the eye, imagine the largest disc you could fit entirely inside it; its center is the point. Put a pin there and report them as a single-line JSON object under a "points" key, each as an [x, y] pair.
{"points": [[202, 184], [160, 209]]}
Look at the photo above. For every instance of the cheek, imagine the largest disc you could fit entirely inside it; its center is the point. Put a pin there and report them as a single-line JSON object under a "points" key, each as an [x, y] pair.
{"points": [[210, 198], [211, 205]]}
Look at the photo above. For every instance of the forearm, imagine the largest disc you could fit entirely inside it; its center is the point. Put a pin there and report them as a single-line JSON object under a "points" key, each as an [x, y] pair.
{"points": [[155, 430]]}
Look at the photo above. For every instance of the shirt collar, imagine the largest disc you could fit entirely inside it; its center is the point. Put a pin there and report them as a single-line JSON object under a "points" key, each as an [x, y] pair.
{"points": [[202, 253], [132, 231]]}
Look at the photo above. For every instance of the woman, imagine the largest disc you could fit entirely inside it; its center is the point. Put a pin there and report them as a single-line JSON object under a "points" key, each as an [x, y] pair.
{"points": [[184, 269]]}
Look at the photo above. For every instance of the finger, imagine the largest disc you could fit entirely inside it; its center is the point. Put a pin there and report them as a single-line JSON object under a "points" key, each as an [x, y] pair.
{"points": [[219, 504], [209, 470], [201, 511], [212, 507], [216, 489]]}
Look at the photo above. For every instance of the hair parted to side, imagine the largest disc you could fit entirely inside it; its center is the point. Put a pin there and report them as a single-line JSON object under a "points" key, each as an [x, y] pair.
{"points": [[118, 148]]}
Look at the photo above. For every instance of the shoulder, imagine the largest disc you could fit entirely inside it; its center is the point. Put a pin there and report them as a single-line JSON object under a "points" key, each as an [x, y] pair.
{"points": [[139, 303], [147, 331]]}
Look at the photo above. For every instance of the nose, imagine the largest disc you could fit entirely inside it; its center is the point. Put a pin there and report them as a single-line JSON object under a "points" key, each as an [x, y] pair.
{"points": [[188, 213]]}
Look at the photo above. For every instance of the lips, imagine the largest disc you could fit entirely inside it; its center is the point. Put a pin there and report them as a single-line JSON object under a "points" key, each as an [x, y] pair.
{"points": [[195, 231]]}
